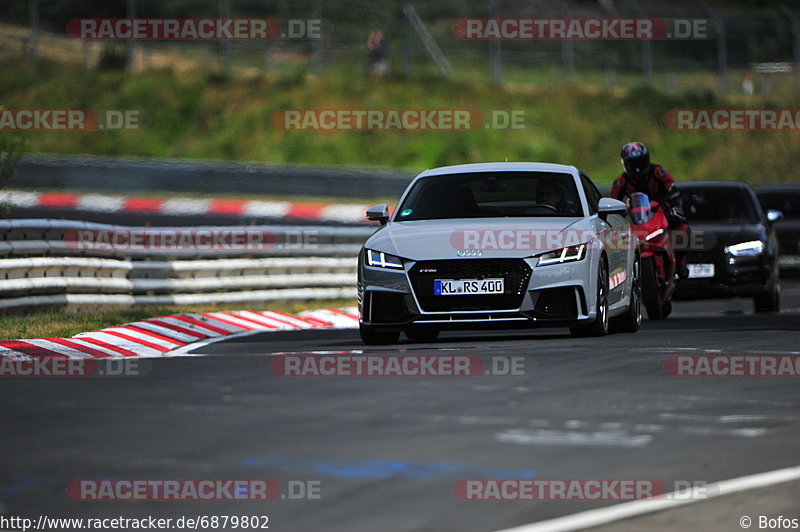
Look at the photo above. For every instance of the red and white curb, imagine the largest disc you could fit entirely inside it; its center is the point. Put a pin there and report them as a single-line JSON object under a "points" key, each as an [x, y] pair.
{"points": [[175, 334], [346, 213]]}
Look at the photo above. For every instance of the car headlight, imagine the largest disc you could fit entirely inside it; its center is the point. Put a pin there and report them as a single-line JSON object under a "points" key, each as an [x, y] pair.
{"points": [[379, 259], [560, 256], [746, 249]]}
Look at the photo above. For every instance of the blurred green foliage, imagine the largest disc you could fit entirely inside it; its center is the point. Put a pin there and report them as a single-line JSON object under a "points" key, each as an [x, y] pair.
{"points": [[192, 116]]}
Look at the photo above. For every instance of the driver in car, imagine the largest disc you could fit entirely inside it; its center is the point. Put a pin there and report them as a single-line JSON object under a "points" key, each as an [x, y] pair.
{"points": [[548, 193], [641, 175]]}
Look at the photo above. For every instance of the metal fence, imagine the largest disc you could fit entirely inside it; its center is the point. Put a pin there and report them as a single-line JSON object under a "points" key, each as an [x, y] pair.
{"points": [[419, 39]]}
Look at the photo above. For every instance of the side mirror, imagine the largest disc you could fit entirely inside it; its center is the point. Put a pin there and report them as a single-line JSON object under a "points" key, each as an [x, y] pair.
{"points": [[773, 216], [378, 213], [608, 206]]}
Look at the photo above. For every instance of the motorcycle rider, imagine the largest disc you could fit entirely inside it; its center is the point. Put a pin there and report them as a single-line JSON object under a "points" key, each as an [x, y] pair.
{"points": [[641, 175]]}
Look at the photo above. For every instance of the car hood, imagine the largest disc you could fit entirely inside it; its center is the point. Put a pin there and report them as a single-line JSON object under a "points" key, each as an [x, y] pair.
{"points": [[716, 235], [494, 237]]}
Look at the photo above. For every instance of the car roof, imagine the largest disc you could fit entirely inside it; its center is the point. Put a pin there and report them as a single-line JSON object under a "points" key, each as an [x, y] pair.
{"points": [[779, 187], [500, 167], [712, 184]]}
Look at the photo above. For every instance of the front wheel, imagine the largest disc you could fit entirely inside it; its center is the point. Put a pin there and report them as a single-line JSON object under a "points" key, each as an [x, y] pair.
{"points": [[632, 319], [651, 291], [769, 302], [599, 327], [372, 336]]}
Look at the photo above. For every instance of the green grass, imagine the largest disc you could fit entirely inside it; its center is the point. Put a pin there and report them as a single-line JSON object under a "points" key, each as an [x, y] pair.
{"points": [[197, 116], [64, 323]]}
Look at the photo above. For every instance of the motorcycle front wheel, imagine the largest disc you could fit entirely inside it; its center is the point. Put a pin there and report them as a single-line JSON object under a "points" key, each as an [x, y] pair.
{"points": [[651, 292]]}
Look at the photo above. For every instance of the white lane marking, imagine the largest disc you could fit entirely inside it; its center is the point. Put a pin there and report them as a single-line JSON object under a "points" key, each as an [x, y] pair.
{"points": [[96, 347], [217, 322], [338, 320], [671, 350], [14, 355], [185, 206], [268, 323], [58, 348], [626, 510], [196, 327], [185, 350], [755, 417], [730, 418], [139, 349], [617, 438], [21, 198], [100, 202], [164, 331], [744, 432], [138, 335], [344, 213], [288, 318], [268, 209], [230, 317]]}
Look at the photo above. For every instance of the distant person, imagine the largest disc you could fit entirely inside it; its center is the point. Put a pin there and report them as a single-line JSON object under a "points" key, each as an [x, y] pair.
{"points": [[376, 50], [640, 175], [747, 84]]}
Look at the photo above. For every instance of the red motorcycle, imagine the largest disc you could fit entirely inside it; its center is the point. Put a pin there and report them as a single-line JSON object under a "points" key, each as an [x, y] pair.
{"points": [[658, 261]]}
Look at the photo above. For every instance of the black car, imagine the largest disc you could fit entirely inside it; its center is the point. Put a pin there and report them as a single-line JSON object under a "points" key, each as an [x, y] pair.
{"points": [[785, 198], [733, 250]]}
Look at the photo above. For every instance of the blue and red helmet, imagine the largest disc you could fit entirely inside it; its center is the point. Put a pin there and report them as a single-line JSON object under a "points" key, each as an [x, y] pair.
{"points": [[635, 160]]}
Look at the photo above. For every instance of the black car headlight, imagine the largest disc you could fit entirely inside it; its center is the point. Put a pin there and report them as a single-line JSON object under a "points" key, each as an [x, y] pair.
{"points": [[379, 259], [560, 256]]}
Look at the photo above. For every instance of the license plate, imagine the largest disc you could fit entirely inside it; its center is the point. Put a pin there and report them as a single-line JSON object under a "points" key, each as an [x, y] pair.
{"points": [[700, 271], [462, 287]]}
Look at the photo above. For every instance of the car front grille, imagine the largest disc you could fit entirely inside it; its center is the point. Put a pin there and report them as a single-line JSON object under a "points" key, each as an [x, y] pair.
{"points": [[515, 272]]}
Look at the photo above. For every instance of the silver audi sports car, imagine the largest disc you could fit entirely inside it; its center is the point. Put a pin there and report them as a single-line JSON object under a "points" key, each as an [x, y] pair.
{"points": [[499, 245]]}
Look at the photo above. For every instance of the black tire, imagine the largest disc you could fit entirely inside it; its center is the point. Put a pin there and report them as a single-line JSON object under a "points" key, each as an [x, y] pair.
{"points": [[371, 336], [771, 301], [599, 327], [651, 291], [666, 308], [632, 319], [422, 334]]}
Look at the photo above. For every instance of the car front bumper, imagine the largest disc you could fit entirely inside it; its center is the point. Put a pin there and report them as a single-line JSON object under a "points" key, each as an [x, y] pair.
{"points": [[733, 277], [558, 295]]}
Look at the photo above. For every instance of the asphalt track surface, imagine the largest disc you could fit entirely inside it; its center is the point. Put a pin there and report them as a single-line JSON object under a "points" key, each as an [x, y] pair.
{"points": [[388, 451]]}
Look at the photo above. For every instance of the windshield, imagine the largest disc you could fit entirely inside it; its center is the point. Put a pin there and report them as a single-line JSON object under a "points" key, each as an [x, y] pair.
{"points": [[492, 194], [717, 204], [640, 208], [787, 202]]}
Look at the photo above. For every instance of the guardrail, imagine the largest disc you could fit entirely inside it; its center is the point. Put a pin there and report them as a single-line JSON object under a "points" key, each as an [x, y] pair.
{"points": [[45, 264], [128, 175]]}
